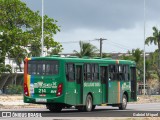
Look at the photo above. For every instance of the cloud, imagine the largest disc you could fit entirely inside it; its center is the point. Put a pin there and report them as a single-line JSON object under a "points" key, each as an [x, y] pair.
{"points": [[97, 14], [103, 14], [120, 40], [120, 21]]}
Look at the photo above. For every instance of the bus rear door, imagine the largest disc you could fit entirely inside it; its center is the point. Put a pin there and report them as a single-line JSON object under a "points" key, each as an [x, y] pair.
{"points": [[104, 81], [79, 81], [71, 84]]}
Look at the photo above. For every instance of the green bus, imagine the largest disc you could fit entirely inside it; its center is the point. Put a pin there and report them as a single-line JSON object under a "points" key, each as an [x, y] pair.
{"points": [[62, 82]]}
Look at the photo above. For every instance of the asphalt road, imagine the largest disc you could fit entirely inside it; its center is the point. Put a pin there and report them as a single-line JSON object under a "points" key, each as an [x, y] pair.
{"points": [[133, 110]]}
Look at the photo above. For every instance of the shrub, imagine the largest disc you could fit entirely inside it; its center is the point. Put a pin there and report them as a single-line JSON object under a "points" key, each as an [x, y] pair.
{"points": [[14, 89]]}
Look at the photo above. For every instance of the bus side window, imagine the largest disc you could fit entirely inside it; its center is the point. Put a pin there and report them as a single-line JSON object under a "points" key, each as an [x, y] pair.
{"points": [[70, 72], [33, 69], [95, 72], [87, 72], [121, 73], [126, 73], [112, 72]]}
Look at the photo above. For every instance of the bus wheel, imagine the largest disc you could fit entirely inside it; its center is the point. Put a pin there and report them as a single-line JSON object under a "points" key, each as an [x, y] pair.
{"points": [[54, 107], [123, 105], [89, 103]]}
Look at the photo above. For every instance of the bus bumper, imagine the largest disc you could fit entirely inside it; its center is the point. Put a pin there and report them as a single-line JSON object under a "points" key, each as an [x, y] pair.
{"points": [[44, 100]]}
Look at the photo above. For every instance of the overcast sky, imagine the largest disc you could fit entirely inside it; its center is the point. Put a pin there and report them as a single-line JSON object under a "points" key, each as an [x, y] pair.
{"points": [[121, 22]]}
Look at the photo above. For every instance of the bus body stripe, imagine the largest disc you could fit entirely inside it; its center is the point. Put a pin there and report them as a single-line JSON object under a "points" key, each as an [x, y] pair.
{"points": [[32, 83], [28, 83], [32, 79], [118, 96], [25, 70]]}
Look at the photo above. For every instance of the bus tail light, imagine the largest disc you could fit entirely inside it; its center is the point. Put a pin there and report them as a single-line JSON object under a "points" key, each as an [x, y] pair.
{"points": [[26, 89], [59, 89]]}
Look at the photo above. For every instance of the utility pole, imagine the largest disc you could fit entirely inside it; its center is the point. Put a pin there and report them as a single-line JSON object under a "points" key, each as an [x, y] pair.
{"points": [[101, 42], [144, 55]]}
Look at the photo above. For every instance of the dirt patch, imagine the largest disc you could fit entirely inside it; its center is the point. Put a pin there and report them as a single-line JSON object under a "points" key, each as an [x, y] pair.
{"points": [[148, 99], [11, 98], [16, 102]]}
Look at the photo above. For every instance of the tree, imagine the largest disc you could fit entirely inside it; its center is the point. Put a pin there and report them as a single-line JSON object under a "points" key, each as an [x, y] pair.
{"points": [[155, 38], [136, 55], [105, 55], [56, 50], [20, 27], [18, 57], [50, 28], [86, 49]]}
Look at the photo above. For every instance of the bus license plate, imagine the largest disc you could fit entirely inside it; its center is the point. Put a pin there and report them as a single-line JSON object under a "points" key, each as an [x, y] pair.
{"points": [[41, 100]]}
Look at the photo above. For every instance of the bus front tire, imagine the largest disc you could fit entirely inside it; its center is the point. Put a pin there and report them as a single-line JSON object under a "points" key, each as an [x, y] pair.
{"points": [[89, 103], [123, 105]]}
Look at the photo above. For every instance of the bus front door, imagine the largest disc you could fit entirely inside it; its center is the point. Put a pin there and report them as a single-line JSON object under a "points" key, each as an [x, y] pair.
{"points": [[133, 84], [79, 81], [104, 81]]}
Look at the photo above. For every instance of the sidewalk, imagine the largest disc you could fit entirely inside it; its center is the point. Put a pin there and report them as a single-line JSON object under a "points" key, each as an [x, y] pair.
{"points": [[17, 102]]}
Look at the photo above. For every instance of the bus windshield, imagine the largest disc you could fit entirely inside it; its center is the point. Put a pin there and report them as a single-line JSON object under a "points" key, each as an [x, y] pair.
{"points": [[41, 67]]}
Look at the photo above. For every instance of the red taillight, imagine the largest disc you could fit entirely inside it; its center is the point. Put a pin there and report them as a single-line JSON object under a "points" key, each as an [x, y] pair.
{"points": [[26, 90], [59, 89]]}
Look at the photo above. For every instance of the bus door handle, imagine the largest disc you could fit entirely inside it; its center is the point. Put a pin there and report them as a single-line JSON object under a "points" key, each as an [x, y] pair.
{"points": [[75, 91], [99, 90]]}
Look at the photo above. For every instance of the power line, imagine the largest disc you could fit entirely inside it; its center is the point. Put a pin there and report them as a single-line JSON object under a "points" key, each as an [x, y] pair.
{"points": [[78, 41], [120, 44], [121, 47], [110, 42]]}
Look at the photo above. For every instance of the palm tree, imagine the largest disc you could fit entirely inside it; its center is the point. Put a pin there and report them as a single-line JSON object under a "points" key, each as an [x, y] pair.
{"points": [[86, 49], [156, 40]]}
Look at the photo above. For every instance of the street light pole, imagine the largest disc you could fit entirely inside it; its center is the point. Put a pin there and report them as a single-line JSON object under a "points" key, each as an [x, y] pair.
{"points": [[42, 40], [144, 78]]}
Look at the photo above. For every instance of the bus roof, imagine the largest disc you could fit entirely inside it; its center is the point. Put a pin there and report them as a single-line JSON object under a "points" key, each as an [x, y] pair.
{"points": [[85, 59]]}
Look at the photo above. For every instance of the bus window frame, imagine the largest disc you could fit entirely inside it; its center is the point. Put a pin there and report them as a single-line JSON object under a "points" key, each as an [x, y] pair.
{"points": [[67, 74], [127, 73], [87, 73], [92, 72], [36, 63], [114, 72], [95, 71]]}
